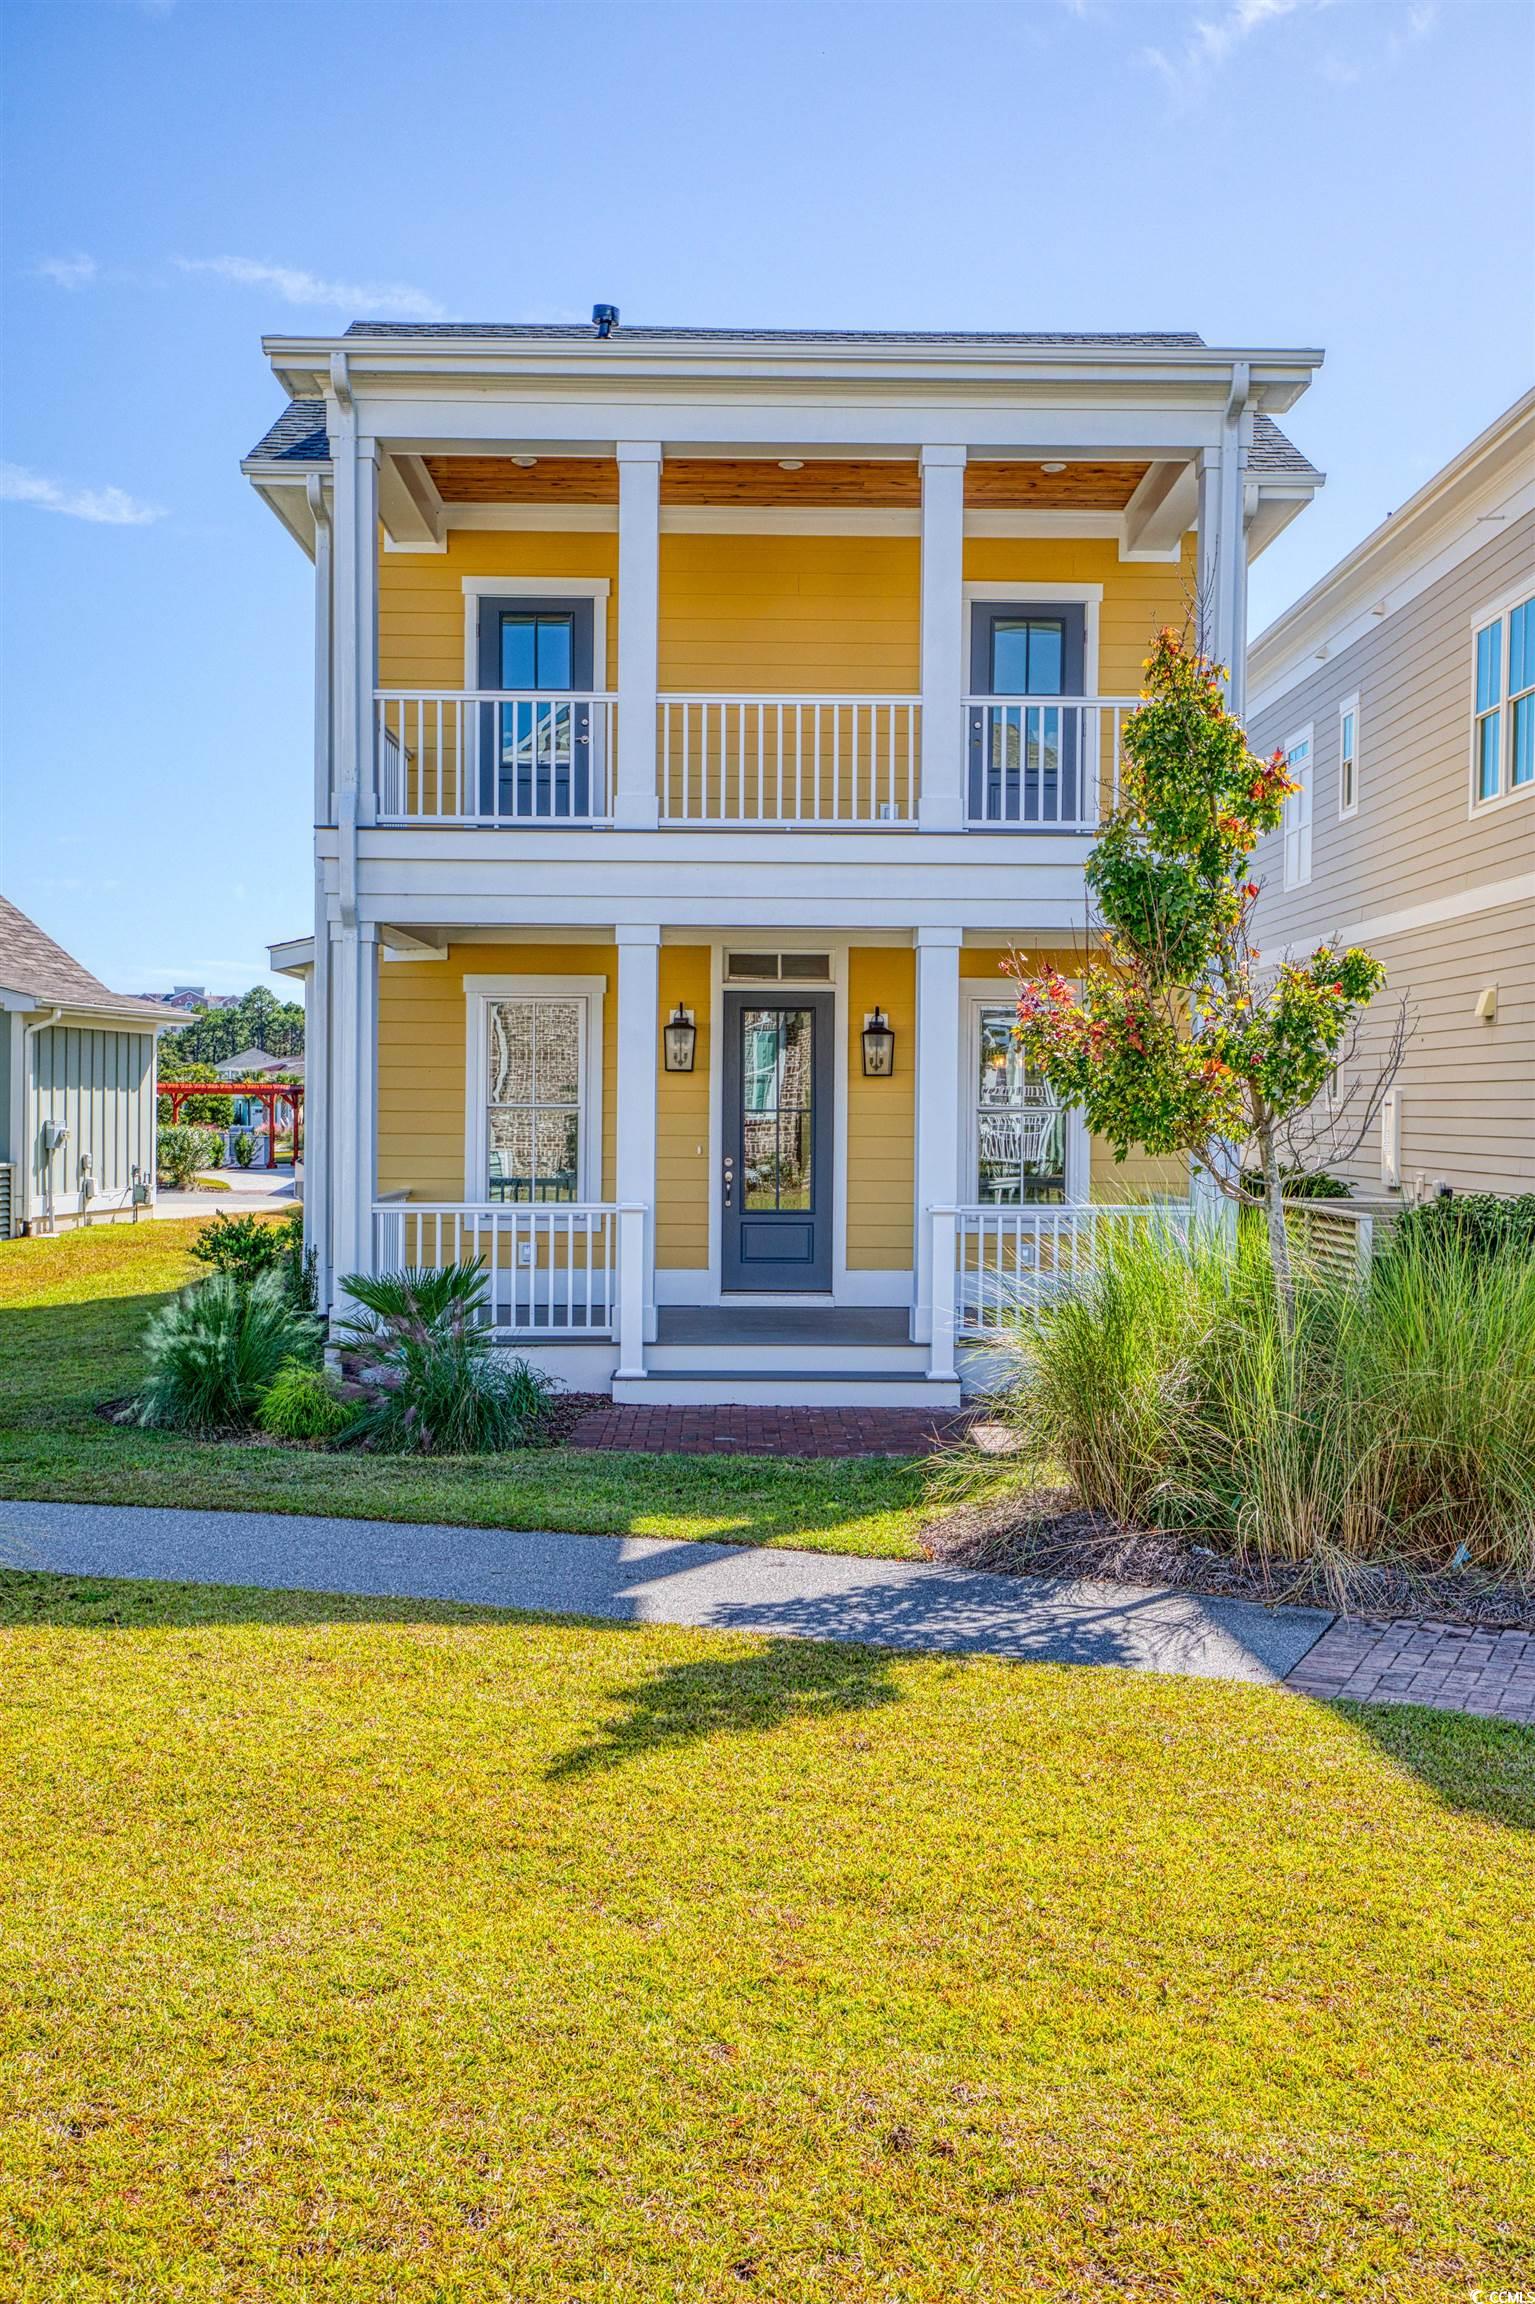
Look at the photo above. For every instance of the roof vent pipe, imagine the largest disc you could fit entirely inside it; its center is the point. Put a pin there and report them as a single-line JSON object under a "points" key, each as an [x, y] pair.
{"points": [[604, 319]]}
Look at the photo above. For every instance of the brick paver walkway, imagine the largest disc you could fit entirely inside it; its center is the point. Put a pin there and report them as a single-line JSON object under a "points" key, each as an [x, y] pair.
{"points": [[767, 1431], [1455, 1667]]}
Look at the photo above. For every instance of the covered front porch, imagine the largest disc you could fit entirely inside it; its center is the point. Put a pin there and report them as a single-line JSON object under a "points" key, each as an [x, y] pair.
{"points": [[711, 1166]]}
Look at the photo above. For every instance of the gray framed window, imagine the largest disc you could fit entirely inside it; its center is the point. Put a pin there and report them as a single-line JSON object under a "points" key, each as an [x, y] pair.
{"points": [[535, 1114], [535, 757]]}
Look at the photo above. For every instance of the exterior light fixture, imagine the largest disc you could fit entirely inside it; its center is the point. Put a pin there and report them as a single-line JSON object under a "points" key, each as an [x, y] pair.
{"points": [[680, 1039], [1052, 467], [791, 463], [525, 461], [878, 1048]]}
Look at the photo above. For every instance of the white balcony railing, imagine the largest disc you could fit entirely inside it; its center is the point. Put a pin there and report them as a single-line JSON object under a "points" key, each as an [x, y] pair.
{"points": [[789, 760], [1042, 763], [1009, 1259], [451, 756], [551, 1267]]}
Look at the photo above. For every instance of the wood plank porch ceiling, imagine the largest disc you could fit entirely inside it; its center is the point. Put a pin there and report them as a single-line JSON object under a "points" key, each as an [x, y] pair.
{"points": [[990, 486]]}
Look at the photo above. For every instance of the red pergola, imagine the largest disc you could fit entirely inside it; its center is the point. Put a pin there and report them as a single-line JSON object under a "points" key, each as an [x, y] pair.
{"points": [[268, 1093]]}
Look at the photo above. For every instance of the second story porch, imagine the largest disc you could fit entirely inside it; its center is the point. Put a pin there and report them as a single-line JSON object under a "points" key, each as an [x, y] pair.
{"points": [[825, 600]]}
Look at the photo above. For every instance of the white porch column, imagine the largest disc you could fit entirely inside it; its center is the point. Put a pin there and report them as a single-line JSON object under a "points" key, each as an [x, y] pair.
{"points": [[353, 1129], [318, 1056], [639, 597], [943, 638], [1223, 539], [639, 995], [938, 1105]]}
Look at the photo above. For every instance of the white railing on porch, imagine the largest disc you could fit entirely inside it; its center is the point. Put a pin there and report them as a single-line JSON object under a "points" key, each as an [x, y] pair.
{"points": [[552, 1268], [787, 760], [1007, 1260], [1042, 763], [455, 756]]}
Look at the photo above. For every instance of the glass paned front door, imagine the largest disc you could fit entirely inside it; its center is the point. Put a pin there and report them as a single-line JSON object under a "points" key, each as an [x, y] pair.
{"points": [[775, 1187], [536, 758]]}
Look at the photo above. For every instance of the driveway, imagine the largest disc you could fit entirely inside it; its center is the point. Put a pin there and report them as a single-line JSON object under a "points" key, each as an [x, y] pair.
{"points": [[634, 1580]]}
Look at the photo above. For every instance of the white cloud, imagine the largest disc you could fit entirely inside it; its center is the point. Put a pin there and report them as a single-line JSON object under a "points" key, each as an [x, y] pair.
{"points": [[1213, 39], [387, 300], [107, 507], [67, 271]]}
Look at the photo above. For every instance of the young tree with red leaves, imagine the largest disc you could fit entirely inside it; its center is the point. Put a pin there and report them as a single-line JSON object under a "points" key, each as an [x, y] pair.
{"points": [[1174, 1042]]}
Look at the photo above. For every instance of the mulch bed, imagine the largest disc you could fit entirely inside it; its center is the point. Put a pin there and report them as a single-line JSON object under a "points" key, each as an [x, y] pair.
{"points": [[1043, 1536]]}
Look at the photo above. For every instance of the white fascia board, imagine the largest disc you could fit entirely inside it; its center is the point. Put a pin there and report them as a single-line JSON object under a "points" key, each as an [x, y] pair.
{"points": [[285, 492], [294, 956], [771, 520], [302, 364], [1433, 529]]}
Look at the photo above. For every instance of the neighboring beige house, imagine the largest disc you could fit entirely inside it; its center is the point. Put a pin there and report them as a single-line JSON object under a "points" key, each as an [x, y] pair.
{"points": [[1402, 689], [77, 1084]]}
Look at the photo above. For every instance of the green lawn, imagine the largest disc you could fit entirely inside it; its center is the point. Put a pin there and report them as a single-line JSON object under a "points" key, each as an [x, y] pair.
{"points": [[366, 1951], [72, 1311]]}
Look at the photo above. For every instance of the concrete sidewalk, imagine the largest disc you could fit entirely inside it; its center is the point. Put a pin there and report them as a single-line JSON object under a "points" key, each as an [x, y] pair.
{"points": [[630, 1579]]}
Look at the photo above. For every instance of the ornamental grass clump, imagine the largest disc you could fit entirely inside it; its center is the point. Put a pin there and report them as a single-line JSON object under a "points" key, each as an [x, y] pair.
{"points": [[215, 1351], [423, 1343], [304, 1403], [1392, 1418]]}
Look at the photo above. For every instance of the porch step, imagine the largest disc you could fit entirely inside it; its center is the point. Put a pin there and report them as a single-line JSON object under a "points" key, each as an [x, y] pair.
{"points": [[763, 1359], [775, 1387]]}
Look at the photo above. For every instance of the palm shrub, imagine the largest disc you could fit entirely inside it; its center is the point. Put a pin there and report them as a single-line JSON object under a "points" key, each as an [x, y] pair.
{"points": [[214, 1352], [423, 1339]]}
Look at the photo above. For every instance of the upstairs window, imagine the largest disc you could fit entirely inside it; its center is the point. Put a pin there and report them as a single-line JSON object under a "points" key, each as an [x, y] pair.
{"points": [[1297, 811], [1348, 756], [1503, 703]]}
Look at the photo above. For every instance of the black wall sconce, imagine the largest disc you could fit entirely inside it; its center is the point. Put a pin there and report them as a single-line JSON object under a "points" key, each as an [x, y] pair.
{"points": [[878, 1048], [679, 1039]]}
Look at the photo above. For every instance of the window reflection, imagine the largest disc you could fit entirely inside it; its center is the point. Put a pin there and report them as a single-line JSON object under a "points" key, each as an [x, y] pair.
{"points": [[1020, 1130], [777, 1127]]}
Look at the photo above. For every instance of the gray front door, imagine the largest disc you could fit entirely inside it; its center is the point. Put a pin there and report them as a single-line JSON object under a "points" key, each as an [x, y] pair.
{"points": [[776, 1192]]}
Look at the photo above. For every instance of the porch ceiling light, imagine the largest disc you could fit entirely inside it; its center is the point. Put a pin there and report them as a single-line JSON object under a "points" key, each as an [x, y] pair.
{"points": [[878, 1048], [1052, 467], [680, 1039], [791, 463], [527, 462]]}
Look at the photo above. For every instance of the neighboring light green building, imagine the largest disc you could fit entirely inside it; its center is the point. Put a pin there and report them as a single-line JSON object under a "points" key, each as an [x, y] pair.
{"points": [[77, 1084]]}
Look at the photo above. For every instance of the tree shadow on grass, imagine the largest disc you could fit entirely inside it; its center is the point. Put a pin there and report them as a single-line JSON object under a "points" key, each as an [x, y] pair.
{"points": [[1478, 1766], [782, 1681]]}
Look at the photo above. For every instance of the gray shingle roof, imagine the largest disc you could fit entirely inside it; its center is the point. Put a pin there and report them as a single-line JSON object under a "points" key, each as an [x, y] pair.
{"points": [[554, 332], [298, 436], [1274, 453], [30, 961]]}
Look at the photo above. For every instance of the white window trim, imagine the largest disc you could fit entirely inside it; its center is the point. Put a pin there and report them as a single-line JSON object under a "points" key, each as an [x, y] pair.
{"points": [[479, 992], [1287, 831], [1088, 596], [1349, 704], [593, 588], [1496, 612], [1077, 1149]]}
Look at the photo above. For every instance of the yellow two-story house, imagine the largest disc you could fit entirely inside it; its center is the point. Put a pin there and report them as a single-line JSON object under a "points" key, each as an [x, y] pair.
{"points": [[703, 719]]}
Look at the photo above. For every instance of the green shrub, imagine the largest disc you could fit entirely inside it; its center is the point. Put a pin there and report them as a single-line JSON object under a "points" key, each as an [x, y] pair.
{"points": [[181, 1150], [215, 1351], [1479, 1222], [304, 1403], [248, 1245], [1298, 1184], [424, 1339], [1394, 1420], [245, 1148]]}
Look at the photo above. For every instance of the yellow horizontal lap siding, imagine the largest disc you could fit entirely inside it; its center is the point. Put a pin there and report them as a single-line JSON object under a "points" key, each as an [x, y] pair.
{"points": [[881, 1114], [756, 615], [423, 1055], [682, 1119]]}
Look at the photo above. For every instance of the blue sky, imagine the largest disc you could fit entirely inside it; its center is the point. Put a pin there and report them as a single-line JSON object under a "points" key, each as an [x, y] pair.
{"points": [[181, 175]]}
